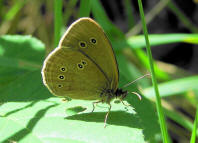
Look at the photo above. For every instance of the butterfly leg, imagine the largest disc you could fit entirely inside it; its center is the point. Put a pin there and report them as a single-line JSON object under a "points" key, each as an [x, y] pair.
{"points": [[127, 105], [105, 121], [94, 105]]}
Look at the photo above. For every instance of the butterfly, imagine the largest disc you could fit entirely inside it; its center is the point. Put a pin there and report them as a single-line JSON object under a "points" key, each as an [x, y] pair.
{"points": [[83, 66]]}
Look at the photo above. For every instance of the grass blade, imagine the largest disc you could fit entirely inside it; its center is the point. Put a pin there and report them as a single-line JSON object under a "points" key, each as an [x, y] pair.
{"points": [[163, 126], [57, 21], [174, 87], [181, 16], [129, 13], [14, 10], [85, 8], [193, 137]]}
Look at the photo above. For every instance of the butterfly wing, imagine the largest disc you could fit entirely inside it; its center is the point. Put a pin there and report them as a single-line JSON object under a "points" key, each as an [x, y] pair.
{"points": [[87, 37], [83, 65], [67, 72]]}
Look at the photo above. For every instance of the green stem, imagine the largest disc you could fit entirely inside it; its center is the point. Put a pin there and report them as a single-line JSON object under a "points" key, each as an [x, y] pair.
{"points": [[14, 10], [57, 21], [163, 126]]}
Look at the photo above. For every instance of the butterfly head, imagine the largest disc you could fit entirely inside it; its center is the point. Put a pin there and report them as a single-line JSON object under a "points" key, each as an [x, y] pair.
{"points": [[121, 94]]}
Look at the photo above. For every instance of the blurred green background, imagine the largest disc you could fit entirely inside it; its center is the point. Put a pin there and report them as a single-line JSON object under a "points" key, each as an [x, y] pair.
{"points": [[29, 30]]}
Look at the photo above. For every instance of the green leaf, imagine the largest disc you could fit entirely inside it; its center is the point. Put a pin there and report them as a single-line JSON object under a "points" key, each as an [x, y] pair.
{"points": [[47, 119], [159, 39], [174, 87], [21, 59]]}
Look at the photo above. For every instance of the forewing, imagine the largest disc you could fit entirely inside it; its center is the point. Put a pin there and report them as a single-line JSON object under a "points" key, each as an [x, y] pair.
{"points": [[100, 52]]}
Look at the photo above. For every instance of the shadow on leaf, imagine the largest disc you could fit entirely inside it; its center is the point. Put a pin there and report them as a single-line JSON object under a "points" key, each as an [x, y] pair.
{"points": [[119, 118], [30, 126]]}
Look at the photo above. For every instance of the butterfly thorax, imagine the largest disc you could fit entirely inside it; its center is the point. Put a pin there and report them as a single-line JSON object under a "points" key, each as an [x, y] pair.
{"points": [[108, 94]]}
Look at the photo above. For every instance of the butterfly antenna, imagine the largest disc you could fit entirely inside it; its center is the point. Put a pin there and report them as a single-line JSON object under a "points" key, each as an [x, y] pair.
{"points": [[136, 80], [137, 94]]}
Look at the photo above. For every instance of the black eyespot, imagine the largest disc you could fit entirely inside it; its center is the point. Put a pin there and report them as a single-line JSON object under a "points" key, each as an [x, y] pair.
{"points": [[61, 77], [63, 69], [80, 66], [84, 63], [93, 40], [60, 86], [82, 44]]}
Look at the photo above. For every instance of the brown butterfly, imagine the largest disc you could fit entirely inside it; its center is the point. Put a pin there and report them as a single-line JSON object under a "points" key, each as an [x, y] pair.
{"points": [[84, 65]]}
